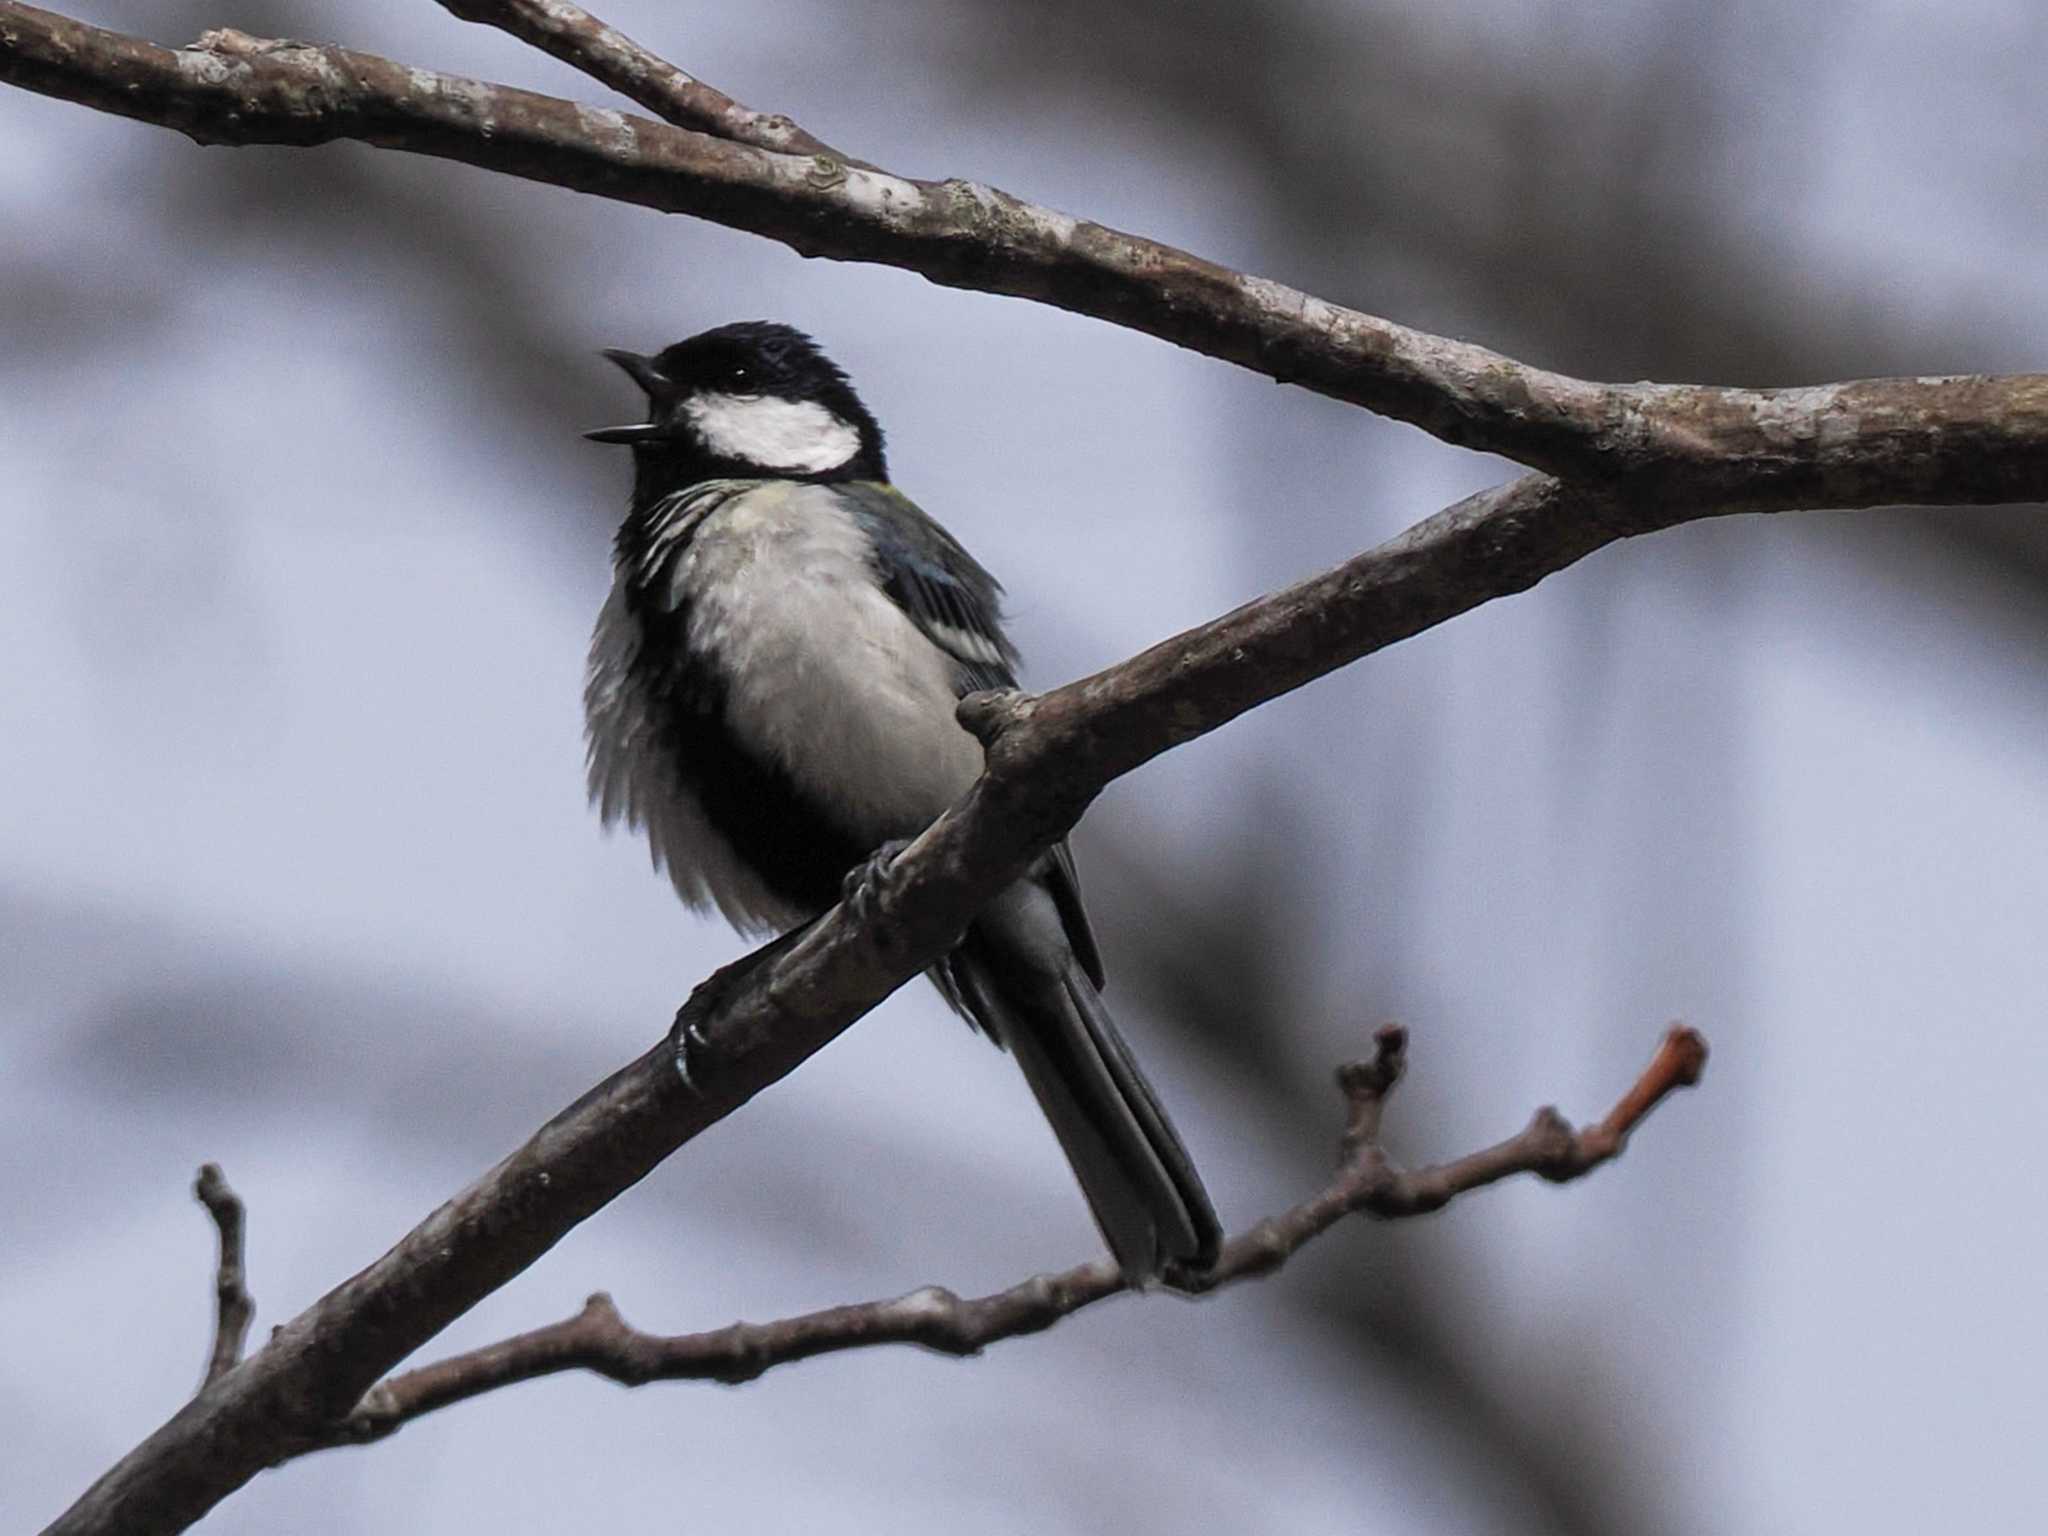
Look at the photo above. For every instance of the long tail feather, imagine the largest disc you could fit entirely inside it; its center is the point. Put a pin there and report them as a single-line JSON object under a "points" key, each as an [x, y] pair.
{"points": [[1017, 976]]}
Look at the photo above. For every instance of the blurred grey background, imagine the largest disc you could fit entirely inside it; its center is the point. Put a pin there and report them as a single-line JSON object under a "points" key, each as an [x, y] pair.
{"points": [[299, 554]]}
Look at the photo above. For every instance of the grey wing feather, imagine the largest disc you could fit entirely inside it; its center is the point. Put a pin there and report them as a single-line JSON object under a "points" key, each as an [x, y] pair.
{"points": [[1028, 971], [958, 605], [1066, 894], [942, 588]]}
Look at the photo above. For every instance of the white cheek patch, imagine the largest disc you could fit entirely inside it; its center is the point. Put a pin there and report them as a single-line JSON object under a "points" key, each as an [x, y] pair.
{"points": [[798, 435]]}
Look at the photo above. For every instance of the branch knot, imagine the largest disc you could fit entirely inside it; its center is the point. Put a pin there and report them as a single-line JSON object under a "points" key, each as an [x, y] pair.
{"points": [[992, 713]]}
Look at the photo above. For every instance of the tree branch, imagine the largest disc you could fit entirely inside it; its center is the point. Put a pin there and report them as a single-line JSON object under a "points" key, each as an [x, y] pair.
{"points": [[756, 1020], [611, 58], [1367, 1182], [1946, 441], [235, 1309]]}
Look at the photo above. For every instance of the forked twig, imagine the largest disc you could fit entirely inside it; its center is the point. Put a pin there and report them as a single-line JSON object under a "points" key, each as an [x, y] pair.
{"points": [[598, 1339]]}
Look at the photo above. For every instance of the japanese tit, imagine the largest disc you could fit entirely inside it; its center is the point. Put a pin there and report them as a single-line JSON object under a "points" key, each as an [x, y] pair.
{"points": [[770, 698]]}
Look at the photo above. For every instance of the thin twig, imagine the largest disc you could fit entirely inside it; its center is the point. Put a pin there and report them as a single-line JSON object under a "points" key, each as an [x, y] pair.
{"points": [[235, 1309], [598, 1339], [608, 56]]}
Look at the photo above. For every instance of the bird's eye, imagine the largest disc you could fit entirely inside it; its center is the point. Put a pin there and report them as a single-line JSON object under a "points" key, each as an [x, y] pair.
{"points": [[741, 374]]}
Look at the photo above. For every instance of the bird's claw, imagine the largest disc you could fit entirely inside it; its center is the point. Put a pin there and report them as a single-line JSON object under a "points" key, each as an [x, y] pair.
{"points": [[687, 1037], [861, 890]]}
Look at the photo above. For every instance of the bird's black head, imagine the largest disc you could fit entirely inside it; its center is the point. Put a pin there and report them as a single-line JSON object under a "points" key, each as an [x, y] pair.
{"points": [[745, 400]]}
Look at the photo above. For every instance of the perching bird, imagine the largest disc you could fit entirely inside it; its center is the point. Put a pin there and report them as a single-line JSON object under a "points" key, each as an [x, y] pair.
{"points": [[771, 699]]}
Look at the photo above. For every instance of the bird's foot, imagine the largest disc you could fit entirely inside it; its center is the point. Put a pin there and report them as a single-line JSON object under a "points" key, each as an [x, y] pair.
{"points": [[699, 1058], [686, 1040], [861, 890]]}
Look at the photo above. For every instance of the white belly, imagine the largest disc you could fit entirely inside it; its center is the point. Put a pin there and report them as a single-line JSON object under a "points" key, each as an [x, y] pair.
{"points": [[828, 676], [825, 676]]}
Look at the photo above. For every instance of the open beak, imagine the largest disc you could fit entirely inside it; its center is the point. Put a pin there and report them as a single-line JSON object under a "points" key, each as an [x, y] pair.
{"points": [[643, 432], [648, 377]]}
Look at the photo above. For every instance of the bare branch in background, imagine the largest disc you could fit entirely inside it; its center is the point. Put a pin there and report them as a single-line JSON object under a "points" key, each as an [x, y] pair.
{"points": [[598, 1339], [235, 1309], [1939, 441]]}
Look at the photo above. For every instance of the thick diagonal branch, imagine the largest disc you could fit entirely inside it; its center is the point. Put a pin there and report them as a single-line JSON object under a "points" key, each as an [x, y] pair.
{"points": [[762, 1017], [1925, 440], [1367, 1182]]}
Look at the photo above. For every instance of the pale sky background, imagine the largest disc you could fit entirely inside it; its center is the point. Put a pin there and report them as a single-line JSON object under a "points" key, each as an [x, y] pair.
{"points": [[299, 550]]}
